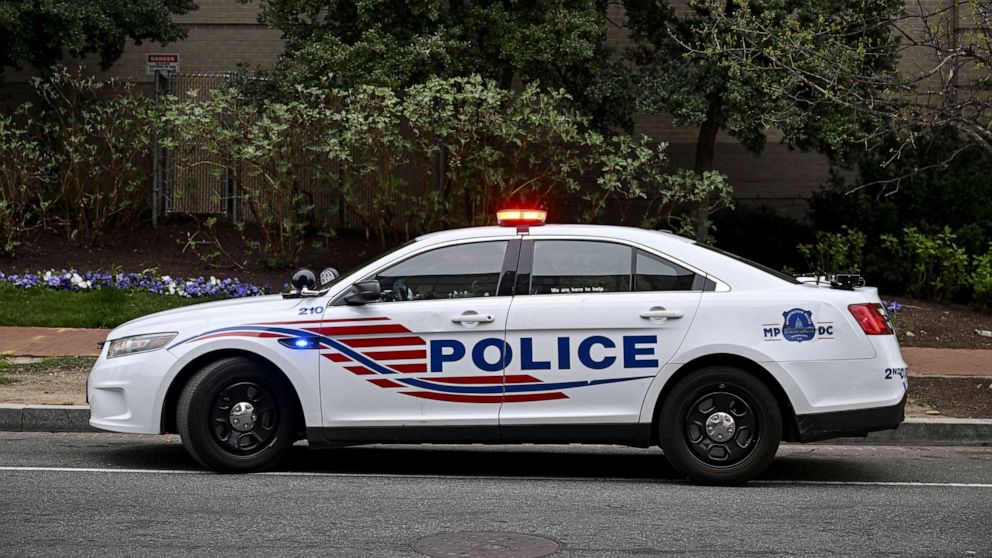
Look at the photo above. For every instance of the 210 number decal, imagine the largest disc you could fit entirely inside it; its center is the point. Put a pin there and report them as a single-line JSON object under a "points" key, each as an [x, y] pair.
{"points": [[311, 310]]}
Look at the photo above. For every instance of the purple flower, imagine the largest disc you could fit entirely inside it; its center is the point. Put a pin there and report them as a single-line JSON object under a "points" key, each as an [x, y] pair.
{"points": [[72, 280]]}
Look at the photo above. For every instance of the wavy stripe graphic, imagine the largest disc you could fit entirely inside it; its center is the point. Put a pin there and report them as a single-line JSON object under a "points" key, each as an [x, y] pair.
{"points": [[364, 356]]}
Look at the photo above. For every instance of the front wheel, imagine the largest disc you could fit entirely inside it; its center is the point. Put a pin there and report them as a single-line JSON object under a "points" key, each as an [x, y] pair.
{"points": [[233, 417], [720, 425]]}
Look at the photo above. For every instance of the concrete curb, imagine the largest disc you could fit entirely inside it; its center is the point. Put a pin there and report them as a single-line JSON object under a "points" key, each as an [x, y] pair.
{"points": [[913, 432], [930, 432], [45, 418]]}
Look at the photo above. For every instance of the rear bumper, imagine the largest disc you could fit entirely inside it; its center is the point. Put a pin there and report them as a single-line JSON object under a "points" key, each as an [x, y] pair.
{"points": [[856, 423]]}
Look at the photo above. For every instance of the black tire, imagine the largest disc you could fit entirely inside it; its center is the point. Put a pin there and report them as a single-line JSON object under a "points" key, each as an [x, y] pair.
{"points": [[722, 455], [203, 417]]}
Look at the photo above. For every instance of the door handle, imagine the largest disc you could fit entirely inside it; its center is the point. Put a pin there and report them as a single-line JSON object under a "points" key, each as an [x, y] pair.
{"points": [[473, 318], [661, 313]]}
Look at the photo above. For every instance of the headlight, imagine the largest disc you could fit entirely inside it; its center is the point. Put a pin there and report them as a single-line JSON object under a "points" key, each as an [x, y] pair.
{"points": [[139, 344]]}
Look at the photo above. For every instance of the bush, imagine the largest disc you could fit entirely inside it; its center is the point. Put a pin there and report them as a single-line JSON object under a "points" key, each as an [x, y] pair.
{"points": [[942, 182], [25, 172], [936, 267], [981, 280], [835, 252], [99, 136], [441, 154], [268, 147]]}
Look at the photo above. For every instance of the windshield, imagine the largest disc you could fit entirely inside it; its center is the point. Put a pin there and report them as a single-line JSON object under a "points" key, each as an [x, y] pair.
{"points": [[755, 265], [353, 269]]}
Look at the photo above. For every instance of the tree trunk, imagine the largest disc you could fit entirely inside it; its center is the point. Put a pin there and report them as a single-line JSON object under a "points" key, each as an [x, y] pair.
{"points": [[705, 147]]}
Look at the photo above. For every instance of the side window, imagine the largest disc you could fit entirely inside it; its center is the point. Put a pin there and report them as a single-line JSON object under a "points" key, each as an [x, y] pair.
{"points": [[460, 271], [580, 266], [652, 273]]}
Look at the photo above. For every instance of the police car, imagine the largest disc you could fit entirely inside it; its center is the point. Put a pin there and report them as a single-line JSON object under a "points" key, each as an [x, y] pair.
{"points": [[522, 332]]}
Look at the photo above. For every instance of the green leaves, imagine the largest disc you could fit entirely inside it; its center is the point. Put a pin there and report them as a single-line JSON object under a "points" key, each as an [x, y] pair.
{"points": [[41, 33], [438, 154], [76, 159], [400, 43]]}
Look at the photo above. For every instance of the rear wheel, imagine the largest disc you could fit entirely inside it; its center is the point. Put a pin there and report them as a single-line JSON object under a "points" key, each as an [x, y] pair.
{"points": [[720, 425], [233, 417]]}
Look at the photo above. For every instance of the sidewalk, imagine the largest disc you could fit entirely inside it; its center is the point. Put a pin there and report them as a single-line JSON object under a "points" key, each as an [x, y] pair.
{"points": [[47, 341], [42, 342], [928, 361]]}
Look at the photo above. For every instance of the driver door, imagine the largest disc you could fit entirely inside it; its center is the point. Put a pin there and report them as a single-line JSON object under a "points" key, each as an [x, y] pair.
{"points": [[430, 353]]}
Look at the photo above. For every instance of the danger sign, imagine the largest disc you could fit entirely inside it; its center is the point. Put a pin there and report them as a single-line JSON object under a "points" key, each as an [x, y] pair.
{"points": [[164, 63]]}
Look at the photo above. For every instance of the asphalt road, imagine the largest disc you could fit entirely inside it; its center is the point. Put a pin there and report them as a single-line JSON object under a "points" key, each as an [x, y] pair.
{"points": [[112, 494]]}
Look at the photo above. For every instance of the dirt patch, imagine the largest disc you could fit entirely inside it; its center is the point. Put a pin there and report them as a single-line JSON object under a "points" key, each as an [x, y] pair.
{"points": [[953, 397], [50, 381], [945, 326]]}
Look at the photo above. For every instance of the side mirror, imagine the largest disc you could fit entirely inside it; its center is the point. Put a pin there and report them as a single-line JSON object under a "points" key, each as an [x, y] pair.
{"points": [[328, 274], [365, 292], [303, 279]]}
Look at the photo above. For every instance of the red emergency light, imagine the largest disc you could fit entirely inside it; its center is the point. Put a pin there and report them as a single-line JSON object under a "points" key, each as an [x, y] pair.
{"points": [[521, 218]]}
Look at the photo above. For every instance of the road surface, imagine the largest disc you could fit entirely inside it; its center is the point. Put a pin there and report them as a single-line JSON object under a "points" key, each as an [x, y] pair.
{"points": [[127, 495]]}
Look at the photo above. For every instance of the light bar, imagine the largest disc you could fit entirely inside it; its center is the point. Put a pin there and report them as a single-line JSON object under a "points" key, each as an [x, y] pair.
{"points": [[521, 217]]}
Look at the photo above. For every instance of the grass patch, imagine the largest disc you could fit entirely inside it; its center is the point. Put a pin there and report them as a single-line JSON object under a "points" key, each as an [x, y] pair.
{"points": [[4, 366], [101, 308], [57, 363]]}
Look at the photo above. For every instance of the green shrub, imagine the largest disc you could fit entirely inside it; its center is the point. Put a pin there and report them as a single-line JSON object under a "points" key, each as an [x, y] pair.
{"points": [[835, 252], [25, 172], [981, 280], [268, 147], [99, 136], [943, 180], [936, 267]]}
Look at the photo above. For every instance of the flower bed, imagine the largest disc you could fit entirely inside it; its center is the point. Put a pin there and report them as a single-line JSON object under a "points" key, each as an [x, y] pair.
{"points": [[188, 287]]}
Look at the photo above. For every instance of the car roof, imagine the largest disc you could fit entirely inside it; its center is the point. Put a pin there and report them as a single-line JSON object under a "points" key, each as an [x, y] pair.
{"points": [[685, 250], [607, 231]]}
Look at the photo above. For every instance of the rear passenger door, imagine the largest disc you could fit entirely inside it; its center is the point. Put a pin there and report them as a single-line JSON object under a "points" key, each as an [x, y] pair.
{"points": [[592, 321]]}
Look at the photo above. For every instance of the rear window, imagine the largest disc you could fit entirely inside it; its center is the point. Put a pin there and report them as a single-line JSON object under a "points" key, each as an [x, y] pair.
{"points": [[755, 265]]}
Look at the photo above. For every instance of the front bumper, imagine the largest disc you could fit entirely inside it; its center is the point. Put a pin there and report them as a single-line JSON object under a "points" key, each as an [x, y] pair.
{"points": [[124, 393], [856, 423]]}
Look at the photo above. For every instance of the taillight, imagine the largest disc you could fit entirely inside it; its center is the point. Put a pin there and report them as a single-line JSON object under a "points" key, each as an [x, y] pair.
{"points": [[871, 317]]}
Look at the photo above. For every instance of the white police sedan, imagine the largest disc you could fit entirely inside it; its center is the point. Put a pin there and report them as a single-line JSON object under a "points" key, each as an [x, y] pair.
{"points": [[523, 332]]}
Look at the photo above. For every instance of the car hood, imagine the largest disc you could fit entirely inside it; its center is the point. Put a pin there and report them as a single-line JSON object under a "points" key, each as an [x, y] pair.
{"points": [[198, 317]]}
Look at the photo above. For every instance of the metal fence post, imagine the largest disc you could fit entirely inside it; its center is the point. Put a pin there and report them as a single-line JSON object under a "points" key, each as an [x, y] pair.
{"points": [[156, 157]]}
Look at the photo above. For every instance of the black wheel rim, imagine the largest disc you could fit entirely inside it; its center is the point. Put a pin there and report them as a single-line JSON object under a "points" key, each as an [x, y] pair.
{"points": [[721, 446], [265, 424]]}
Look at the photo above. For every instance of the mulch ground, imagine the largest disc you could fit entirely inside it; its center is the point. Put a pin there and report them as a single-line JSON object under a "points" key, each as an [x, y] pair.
{"points": [[945, 326], [954, 397]]}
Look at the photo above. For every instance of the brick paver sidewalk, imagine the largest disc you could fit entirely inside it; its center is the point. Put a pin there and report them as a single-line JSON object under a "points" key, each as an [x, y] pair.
{"points": [[41, 341], [45, 341], [927, 361]]}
